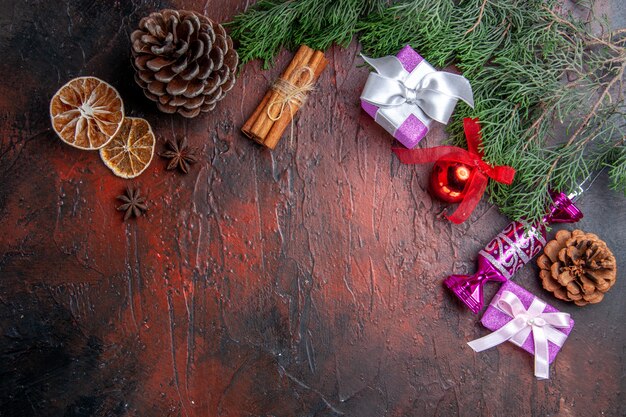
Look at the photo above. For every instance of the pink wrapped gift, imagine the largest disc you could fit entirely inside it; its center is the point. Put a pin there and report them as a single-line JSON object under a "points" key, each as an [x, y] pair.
{"points": [[406, 94], [517, 316]]}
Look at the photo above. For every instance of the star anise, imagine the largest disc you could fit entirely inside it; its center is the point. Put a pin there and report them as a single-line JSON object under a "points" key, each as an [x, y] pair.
{"points": [[134, 203], [180, 155]]}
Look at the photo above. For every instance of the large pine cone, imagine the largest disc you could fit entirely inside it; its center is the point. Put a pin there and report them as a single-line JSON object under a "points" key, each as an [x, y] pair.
{"points": [[577, 266], [184, 61]]}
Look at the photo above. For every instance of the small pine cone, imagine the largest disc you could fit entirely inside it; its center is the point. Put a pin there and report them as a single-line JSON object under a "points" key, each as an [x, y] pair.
{"points": [[577, 266], [183, 61]]}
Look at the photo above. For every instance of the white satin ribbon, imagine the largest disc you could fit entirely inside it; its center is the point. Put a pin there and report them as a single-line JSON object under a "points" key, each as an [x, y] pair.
{"points": [[543, 327], [422, 92]]}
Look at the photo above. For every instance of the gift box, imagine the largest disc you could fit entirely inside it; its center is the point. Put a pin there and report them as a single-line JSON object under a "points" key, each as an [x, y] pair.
{"points": [[406, 94], [517, 316]]}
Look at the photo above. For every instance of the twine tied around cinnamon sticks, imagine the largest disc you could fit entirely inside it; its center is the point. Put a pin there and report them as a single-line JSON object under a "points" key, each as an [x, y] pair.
{"points": [[290, 91], [290, 94]]}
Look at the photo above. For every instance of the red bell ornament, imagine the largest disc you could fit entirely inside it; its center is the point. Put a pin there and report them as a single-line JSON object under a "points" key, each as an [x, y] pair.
{"points": [[449, 180], [459, 175]]}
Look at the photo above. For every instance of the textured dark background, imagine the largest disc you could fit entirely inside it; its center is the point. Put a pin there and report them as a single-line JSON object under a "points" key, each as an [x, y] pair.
{"points": [[300, 282]]}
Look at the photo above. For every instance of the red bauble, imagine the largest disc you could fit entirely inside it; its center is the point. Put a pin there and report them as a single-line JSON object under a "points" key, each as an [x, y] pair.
{"points": [[449, 180]]}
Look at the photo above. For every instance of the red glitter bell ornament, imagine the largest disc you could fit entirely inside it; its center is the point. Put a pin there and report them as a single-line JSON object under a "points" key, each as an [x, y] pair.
{"points": [[459, 175], [449, 180]]}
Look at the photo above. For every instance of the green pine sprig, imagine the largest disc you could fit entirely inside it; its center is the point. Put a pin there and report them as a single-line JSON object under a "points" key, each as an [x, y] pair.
{"points": [[272, 24]]}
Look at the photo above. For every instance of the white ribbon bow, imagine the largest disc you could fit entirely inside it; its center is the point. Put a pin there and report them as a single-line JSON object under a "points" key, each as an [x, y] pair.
{"points": [[543, 327], [435, 93]]}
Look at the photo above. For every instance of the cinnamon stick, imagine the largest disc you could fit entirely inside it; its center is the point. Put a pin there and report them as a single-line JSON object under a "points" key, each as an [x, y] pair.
{"points": [[317, 64], [247, 127], [270, 118], [263, 123]]}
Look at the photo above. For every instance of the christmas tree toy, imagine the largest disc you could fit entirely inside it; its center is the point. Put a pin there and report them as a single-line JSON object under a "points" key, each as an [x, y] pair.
{"points": [[513, 248], [459, 175]]}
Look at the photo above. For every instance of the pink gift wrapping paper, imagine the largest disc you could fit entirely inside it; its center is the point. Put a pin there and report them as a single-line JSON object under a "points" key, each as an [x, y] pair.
{"points": [[494, 319]]}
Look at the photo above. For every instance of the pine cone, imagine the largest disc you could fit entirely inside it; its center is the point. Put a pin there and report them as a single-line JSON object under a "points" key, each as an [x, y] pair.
{"points": [[577, 266], [183, 61]]}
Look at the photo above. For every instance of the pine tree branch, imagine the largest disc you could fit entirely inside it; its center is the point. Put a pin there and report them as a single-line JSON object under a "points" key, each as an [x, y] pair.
{"points": [[595, 39], [583, 125], [546, 112], [480, 17]]}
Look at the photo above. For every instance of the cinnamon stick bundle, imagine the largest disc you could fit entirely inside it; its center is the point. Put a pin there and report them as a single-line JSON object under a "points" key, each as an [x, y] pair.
{"points": [[284, 99]]}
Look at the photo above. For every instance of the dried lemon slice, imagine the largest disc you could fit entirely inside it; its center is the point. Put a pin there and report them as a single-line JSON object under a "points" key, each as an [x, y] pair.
{"points": [[86, 113], [130, 151]]}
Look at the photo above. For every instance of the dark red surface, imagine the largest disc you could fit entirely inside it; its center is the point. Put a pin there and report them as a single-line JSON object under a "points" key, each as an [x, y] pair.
{"points": [[300, 282]]}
